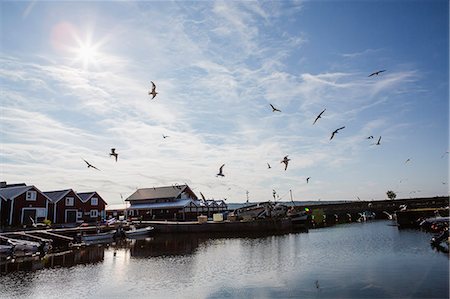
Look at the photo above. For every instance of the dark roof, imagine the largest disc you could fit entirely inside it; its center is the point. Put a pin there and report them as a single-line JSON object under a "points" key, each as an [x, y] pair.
{"points": [[55, 196], [13, 192], [160, 192], [85, 196], [162, 205]]}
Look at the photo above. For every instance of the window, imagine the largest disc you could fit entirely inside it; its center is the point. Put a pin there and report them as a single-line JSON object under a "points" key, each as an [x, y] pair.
{"points": [[94, 213], [69, 201], [94, 201], [79, 215], [31, 195]]}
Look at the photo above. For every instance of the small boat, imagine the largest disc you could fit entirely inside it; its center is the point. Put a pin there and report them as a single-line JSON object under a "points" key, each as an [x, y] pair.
{"points": [[105, 237], [6, 250], [24, 247], [139, 232]]}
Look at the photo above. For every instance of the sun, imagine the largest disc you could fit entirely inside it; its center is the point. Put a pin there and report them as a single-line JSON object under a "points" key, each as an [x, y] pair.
{"points": [[87, 54]]}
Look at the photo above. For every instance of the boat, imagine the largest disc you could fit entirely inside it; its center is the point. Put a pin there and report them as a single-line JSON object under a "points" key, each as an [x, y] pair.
{"points": [[105, 237], [6, 250], [23, 247], [138, 232]]}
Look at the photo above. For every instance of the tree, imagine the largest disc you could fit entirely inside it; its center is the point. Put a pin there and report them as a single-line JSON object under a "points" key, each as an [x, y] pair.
{"points": [[391, 194]]}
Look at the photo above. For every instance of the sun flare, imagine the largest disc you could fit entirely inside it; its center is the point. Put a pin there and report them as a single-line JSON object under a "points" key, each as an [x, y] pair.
{"points": [[87, 54]]}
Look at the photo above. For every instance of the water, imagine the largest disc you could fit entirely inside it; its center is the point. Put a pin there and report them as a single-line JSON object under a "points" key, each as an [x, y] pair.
{"points": [[358, 260]]}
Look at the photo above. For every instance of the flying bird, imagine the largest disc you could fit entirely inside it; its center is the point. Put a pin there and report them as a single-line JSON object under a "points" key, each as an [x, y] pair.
{"points": [[378, 142], [370, 137], [307, 179], [376, 73], [319, 116], [90, 165], [113, 153], [335, 131], [221, 171], [165, 136], [444, 154], [285, 161], [407, 160], [268, 166], [153, 92], [274, 109]]}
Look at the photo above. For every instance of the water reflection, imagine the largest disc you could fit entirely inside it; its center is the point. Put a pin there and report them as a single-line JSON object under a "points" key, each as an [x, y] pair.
{"points": [[83, 255]]}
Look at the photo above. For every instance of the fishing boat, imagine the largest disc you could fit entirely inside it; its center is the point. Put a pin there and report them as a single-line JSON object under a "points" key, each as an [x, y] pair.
{"points": [[139, 232], [105, 237]]}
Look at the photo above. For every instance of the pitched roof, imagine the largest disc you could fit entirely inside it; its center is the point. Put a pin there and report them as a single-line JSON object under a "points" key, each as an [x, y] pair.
{"points": [[157, 193], [162, 205], [85, 196], [13, 192], [56, 196]]}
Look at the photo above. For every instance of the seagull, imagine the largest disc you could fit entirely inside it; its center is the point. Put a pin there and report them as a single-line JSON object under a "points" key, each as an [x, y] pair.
{"points": [[268, 166], [220, 171], [444, 154], [376, 73], [317, 284], [370, 137], [113, 153], [319, 116], [378, 142], [285, 161], [408, 160], [165, 136], [274, 109], [307, 179], [90, 165], [153, 92], [335, 131]]}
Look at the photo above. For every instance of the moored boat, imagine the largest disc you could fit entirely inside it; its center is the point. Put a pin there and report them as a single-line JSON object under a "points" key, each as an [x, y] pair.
{"points": [[105, 237], [139, 232]]}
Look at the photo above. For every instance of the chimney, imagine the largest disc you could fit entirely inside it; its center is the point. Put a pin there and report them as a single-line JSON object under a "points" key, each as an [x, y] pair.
{"points": [[2, 184]]}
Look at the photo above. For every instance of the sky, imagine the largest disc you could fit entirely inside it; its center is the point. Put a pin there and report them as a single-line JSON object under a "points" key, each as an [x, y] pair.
{"points": [[75, 78]]}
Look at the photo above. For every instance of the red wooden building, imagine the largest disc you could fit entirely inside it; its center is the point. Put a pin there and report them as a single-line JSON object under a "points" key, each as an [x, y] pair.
{"points": [[93, 206], [22, 205], [65, 206]]}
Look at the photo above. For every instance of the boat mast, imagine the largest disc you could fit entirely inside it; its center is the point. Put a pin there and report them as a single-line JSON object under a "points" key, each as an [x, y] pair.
{"points": [[290, 191]]}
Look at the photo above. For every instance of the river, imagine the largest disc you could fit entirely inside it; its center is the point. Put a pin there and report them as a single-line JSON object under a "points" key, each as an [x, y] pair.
{"points": [[356, 260]]}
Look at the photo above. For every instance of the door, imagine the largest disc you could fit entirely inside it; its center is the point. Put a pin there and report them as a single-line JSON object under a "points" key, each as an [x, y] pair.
{"points": [[28, 215], [71, 216]]}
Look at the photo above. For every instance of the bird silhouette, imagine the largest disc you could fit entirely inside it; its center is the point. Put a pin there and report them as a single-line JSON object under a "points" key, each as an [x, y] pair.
{"points": [[378, 142], [317, 284], [274, 109], [268, 166], [221, 171], [307, 179], [370, 137], [335, 132], [113, 153], [443, 155], [286, 162], [89, 165], [319, 116], [153, 92], [165, 136], [376, 73], [407, 160]]}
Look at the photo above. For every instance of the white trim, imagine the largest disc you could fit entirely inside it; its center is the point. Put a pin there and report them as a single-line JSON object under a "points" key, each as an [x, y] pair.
{"points": [[54, 212], [96, 212], [65, 214], [67, 201], [31, 192], [11, 211], [92, 203], [35, 215]]}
